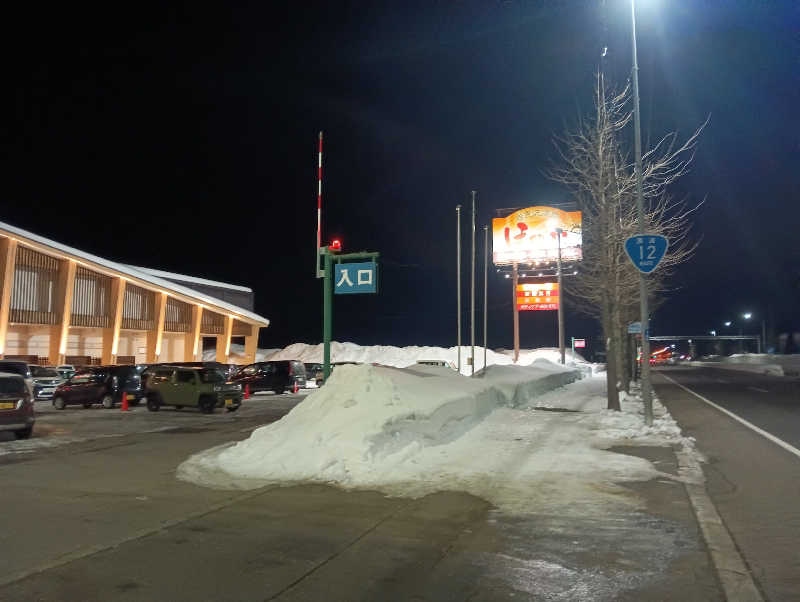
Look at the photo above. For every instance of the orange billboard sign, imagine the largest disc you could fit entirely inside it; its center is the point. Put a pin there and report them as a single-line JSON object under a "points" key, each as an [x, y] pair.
{"points": [[537, 296], [530, 236]]}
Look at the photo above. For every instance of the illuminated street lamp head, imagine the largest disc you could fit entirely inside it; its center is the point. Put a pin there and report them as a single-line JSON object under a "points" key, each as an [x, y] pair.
{"points": [[747, 316], [728, 323]]}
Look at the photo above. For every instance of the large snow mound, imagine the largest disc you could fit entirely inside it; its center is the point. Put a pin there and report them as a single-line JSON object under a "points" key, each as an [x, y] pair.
{"points": [[422, 429], [403, 357]]}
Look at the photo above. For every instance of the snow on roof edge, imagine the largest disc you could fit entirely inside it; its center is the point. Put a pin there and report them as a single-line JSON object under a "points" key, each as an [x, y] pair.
{"points": [[193, 279], [131, 271]]}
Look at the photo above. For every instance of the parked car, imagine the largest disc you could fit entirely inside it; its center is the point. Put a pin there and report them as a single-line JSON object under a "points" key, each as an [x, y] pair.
{"points": [[101, 384], [277, 376], [16, 405], [66, 371], [21, 368], [45, 381], [314, 375], [181, 386]]}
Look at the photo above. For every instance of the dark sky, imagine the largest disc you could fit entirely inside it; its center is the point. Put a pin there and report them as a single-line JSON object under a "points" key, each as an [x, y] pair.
{"points": [[183, 138]]}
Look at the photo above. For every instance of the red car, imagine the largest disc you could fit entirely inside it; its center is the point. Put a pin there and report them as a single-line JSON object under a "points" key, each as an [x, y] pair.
{"points": [[16, 406]]}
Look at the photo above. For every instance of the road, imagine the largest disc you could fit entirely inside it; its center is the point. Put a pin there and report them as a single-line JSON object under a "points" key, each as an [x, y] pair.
{"points": [[752, 480], [93, 511]]}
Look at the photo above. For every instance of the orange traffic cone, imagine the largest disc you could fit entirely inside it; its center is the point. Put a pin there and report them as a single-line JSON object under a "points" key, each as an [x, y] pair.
{"points": [[124, 401], [295, 387], [247, 391]]}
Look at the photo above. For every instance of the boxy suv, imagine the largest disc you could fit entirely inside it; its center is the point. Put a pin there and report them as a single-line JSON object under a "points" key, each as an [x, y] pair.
{"points": [[277, 376], [101, 384], [16, 405], [181, 386]]}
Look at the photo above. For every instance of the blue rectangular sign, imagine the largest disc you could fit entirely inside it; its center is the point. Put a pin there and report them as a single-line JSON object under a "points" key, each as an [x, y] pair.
{"points": [[349, 278]]}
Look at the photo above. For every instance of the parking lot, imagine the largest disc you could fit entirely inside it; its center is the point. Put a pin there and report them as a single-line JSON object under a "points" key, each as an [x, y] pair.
{"points": [[74, 424]]}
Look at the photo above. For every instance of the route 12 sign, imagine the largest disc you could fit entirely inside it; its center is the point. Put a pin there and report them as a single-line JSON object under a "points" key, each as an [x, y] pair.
{"points": [[646, 251]]}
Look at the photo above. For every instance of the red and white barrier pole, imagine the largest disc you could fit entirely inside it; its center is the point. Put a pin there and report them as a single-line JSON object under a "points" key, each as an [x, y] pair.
{"points": [[319, 205]]}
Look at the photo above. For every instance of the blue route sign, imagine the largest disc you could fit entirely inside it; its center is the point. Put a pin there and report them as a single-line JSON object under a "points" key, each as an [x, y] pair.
{"points": [[646, 251], [351, 278]]}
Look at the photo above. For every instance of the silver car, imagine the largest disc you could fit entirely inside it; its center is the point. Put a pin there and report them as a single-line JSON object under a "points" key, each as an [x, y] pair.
{"points": [[45, 381]]}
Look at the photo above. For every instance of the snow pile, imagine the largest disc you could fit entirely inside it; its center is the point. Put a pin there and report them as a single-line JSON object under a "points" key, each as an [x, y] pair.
{"points": [[401, 357], [759, 363], [411, 432]]}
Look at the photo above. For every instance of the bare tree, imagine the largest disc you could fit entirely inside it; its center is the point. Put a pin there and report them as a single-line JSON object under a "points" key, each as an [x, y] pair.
{"points": [[597, 170]]}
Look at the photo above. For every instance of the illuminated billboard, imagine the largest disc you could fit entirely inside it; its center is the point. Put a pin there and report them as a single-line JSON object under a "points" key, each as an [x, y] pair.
{"points": [[537, 296], [529, 235]]}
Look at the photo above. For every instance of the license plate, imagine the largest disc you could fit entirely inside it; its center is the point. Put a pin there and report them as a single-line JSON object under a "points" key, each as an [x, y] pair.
{"points": [[228, 402], [7, 405], [131, 397]]}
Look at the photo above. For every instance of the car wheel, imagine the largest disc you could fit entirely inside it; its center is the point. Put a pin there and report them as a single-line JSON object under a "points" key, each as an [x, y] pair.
{"points": [[24, 433], [232, 408], [178, 407], [59, 403], [207, 405], [135, 402], [108, 402], [152, 402], [280, 390], [87, 404]]}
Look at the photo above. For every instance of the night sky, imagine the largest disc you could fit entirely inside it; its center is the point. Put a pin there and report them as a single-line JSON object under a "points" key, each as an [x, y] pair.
{"points": [[183, 138]]}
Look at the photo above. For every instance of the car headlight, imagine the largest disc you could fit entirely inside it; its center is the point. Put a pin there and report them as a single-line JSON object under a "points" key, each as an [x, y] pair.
{"points": [[20, 403]]}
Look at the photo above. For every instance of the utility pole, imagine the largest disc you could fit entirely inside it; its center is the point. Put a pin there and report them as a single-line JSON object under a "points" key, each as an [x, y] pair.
{"points": [[647, 394], [560, 303], [472, 285], [458, 282], [485, 289], [327, 312], [515, 280]]}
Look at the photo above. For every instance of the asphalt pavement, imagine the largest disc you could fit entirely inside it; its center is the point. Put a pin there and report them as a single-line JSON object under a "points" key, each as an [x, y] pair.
{"points": [[101, 516], [752, 479]]}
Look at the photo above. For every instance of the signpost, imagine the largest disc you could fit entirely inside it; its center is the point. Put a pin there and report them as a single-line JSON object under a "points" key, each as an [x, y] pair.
{"points": [[354, 278], [635, 328], [349, 277], [537, 296], [646, 251], [578, 343]]}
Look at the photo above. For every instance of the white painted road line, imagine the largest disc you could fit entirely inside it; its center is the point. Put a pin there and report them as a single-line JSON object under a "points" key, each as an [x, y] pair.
{"points": [[791, 449], [757, 389]]}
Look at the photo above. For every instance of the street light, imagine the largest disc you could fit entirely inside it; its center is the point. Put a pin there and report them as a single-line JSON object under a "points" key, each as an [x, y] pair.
{"points": [[747, 316], [647, 395], [728, 323]]}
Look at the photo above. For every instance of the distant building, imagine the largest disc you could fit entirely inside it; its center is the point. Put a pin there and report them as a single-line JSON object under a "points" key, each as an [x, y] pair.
{"points": [[61, 305]]}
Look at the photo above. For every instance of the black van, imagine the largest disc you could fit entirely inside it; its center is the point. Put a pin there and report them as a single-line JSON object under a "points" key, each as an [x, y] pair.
{"points": [[101, 384], [277, 376]]}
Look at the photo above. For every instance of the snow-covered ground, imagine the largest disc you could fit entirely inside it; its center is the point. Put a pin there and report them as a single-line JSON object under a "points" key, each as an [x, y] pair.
{"points": [[760, 363], [527, 438]]}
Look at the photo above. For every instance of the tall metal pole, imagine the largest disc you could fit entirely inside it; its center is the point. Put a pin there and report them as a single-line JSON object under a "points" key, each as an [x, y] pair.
{"points": [[458, 282], [472, 287], [485, 289], [560, 301], [327, 313], [514, 281], [647, 395]]}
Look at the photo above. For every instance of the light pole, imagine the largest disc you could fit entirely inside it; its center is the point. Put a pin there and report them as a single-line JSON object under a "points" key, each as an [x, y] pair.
{"points": [[560, 301], [647, 395]]}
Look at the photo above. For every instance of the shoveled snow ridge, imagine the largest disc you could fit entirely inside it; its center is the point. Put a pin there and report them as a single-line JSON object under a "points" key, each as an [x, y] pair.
{"points": [[368, 421]]}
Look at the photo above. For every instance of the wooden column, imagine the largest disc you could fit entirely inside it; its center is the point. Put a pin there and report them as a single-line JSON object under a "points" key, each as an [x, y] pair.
{"points": [[8, 258], [191, 346], [154, 337], [62, 307], [251, 345], [224, 341], [111, 334]]}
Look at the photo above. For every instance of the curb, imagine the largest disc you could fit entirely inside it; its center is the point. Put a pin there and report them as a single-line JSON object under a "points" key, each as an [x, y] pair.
{"points": [[734, 576]]}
